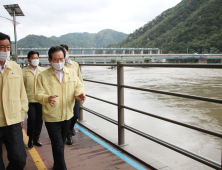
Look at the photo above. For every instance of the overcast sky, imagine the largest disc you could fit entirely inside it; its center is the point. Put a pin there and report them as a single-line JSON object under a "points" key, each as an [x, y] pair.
{"points": [[59, 17]]}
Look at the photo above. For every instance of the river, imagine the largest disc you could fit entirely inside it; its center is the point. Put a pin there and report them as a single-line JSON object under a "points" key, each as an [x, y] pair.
{"points": [[200, 82]]}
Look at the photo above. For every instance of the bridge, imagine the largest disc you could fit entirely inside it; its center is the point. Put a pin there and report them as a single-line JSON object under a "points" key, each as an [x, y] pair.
{"points": [[133, 58], [93, 50], [135, 55]]}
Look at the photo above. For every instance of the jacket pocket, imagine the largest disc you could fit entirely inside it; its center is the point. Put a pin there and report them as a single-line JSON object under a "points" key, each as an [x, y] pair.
{"points": [[29, 83], [16, 107], [15, 82]]}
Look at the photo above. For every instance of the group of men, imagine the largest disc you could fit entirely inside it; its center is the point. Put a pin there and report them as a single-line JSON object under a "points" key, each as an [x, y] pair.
{"points": [[50, 95]]}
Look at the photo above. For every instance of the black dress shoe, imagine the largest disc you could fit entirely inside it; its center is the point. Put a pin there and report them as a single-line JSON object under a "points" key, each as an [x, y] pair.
{"points": [[30, 143], [37, 143], [69, 141], [73, 132]]}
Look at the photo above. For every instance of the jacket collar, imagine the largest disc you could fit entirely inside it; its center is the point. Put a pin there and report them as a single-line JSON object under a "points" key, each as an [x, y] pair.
{"points": [[30, 69], [71, 62], [66, 70], [50, 71], [66, 73], [9, 65]]}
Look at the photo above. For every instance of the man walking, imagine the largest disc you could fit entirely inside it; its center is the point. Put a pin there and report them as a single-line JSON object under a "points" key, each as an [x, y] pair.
{"points": [[13, 106], [34, 121], [56, 90], [75, 66]]}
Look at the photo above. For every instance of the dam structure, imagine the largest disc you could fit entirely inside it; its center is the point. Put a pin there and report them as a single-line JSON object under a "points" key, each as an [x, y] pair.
{"points": [[133, 55]]}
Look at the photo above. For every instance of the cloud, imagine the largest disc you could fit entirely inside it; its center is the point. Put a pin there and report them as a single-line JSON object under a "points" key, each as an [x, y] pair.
{"points": [[50, 17]]}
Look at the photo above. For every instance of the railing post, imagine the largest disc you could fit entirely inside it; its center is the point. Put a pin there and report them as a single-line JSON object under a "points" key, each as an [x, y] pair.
{"points": [[120, 95], [80, 104]]}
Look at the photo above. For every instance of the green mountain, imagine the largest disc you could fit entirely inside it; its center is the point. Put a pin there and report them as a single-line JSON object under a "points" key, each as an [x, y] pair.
{"points": [[87, 40], [192, 24], [108, 36], [35, 41]]}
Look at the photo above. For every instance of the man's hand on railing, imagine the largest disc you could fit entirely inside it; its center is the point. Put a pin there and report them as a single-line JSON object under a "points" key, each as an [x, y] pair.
{"points": [[81, 96]]}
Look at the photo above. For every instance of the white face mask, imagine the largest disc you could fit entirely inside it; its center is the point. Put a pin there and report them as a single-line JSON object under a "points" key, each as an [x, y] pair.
{"points": [[67, 56], [4, 55], [35, 62], [58, 66]]}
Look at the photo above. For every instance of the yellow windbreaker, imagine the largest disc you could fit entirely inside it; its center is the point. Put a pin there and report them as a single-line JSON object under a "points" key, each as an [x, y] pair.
{"points": [[30, 82], [13, 100], [48, 84], [75, 66]]}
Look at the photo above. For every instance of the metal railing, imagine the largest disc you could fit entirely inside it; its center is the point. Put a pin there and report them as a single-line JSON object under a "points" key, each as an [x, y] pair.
{"points": [[120, 104]]}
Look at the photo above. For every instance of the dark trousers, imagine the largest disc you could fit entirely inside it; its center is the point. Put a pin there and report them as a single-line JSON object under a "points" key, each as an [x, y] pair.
{"points": [[74, 118], [57, 133], [34, 121], [16, 153]]}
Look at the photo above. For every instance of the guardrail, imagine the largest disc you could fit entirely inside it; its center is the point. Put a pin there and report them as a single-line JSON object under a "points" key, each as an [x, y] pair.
{"points": [[120, 104], [111, 56]]}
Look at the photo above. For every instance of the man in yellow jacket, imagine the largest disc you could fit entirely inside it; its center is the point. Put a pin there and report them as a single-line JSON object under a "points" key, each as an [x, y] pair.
{"points": [[75, 66], [13, 107], [34, 121], [56, 90]]}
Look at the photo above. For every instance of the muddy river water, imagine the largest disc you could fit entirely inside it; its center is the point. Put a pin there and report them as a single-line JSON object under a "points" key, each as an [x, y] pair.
{"points": [[199, 82]]}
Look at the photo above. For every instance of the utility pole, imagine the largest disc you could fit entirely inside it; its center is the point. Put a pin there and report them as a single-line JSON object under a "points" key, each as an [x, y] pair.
{"points": [[14, 10]]}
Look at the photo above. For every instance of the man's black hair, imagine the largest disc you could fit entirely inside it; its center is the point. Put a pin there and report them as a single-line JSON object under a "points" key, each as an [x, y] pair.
{"points": [[4, 36], [65, 46], [31, 53], [55, 49]]}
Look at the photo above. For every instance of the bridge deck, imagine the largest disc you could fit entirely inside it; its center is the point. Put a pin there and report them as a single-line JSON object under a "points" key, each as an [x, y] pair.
{"points": [[84, 154]]}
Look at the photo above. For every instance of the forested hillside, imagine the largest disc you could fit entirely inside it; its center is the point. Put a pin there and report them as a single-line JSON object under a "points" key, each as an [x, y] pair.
{"points": [[192, 24], [88, 40], [35, 41]]}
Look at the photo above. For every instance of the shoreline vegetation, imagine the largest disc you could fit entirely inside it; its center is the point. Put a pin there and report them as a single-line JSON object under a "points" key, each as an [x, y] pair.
{"points": [[191, 26]]}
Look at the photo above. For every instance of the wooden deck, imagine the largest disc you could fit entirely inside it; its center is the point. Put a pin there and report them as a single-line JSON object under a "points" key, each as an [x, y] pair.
{"points": [[84, 154]]}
